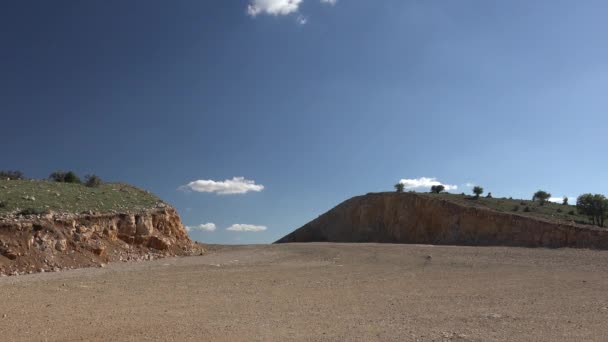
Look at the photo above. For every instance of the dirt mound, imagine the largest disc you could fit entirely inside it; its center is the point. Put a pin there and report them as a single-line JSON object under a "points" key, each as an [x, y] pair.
{"points": [[416, 218], [54, 241]]}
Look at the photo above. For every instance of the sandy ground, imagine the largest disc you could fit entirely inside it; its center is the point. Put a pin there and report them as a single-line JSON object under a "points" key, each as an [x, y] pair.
{"points": [[320, 292]]}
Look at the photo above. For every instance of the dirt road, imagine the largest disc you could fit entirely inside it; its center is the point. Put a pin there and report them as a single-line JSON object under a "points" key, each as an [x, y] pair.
{"points": [[320, 292]]}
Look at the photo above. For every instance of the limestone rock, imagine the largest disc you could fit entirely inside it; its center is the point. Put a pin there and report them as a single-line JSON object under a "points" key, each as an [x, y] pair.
{"points": [[159, 243], [61, 245], [420, 219]]}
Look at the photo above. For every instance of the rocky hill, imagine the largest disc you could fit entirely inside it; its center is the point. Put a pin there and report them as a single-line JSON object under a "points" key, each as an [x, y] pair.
{"points": [[47, 226], [448, 220]]}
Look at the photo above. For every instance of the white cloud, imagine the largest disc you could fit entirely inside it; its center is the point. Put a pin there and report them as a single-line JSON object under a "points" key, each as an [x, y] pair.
{"points": [[469, 185], [246, 228], [206, 227], [560, 200], [236, 185], [279, 7], [425, 182], [273, 7], [302, 20]]}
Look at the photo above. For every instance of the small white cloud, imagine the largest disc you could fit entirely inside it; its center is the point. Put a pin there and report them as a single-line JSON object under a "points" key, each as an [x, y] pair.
{"points": [[280, 7], [206, 227], [560, 200], [273, 7], [469, 185], [236, 185], [302, 20], [246, 228], [425, 182]]}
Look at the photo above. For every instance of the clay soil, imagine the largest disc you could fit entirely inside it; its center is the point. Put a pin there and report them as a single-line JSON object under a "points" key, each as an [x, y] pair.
{"points": [[319, 292]]}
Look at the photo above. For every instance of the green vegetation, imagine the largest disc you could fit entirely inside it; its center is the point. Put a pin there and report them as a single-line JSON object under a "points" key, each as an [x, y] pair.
{"points": [[549, 211], [10, 175], [436, 189], [477, 190], [65, 177], [40, 196], [92, 181], [399, 187], [541, 196], [595, 207]]}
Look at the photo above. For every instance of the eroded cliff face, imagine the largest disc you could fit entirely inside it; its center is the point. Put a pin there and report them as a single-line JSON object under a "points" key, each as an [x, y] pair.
{"points": [[416, 218], [60, 241]]}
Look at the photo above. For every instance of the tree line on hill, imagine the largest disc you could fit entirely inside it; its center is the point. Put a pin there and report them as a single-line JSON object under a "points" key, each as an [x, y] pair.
{"points": [[593, 206], [92, 180]]}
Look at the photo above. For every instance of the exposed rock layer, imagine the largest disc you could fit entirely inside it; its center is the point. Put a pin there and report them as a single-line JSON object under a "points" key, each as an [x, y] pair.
{"points": [[58, 241], [416, 218]]}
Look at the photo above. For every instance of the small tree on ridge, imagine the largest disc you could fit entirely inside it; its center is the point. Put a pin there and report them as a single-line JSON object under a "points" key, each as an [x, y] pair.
{"points": [[477, 190], [437, 188], [541, 196]]}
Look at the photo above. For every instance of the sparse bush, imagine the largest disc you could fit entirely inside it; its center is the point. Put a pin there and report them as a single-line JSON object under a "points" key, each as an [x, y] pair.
{"points": [[541, 196], [477, 190], [33, 211], [11, 175], [522, 203], [510, 198], [399, 187], [565, 201], [92, 181], [559, 210], [437, 188], [65, 177], [489, 195], [516, 208], [571, 212], [527, 209], [3, 204]]}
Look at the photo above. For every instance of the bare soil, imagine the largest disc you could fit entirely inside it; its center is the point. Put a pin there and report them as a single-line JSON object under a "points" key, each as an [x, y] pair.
{"points": [[319, 292]]}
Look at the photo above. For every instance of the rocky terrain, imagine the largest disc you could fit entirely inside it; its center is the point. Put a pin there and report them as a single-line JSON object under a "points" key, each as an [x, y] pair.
{"points": [[320, 292], [53, 242], [122, 223], [427, 219]]}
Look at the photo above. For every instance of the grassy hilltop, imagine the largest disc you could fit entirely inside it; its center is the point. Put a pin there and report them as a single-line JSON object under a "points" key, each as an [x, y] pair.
{"points": [[547, 211], [40, 196]]}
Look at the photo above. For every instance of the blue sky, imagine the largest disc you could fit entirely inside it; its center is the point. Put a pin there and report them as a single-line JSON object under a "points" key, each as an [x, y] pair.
{"points": [[313, 100]]}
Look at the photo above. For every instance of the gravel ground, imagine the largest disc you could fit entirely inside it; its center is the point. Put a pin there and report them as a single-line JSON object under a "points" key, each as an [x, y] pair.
{"points": [[320, 292]]}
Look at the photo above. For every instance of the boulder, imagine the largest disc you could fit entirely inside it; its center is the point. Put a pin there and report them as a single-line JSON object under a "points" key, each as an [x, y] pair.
{"points": [[160, 243]]}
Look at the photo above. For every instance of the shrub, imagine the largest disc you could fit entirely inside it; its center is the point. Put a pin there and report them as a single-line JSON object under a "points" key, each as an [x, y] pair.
{"points": [[33, 211], [3, 204], [92, 181], [527, 209], [489, 195], [571, 212], [11, 175], [516, 208], [559, 210], [399, 187], [565, 201], [65, 177]]}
